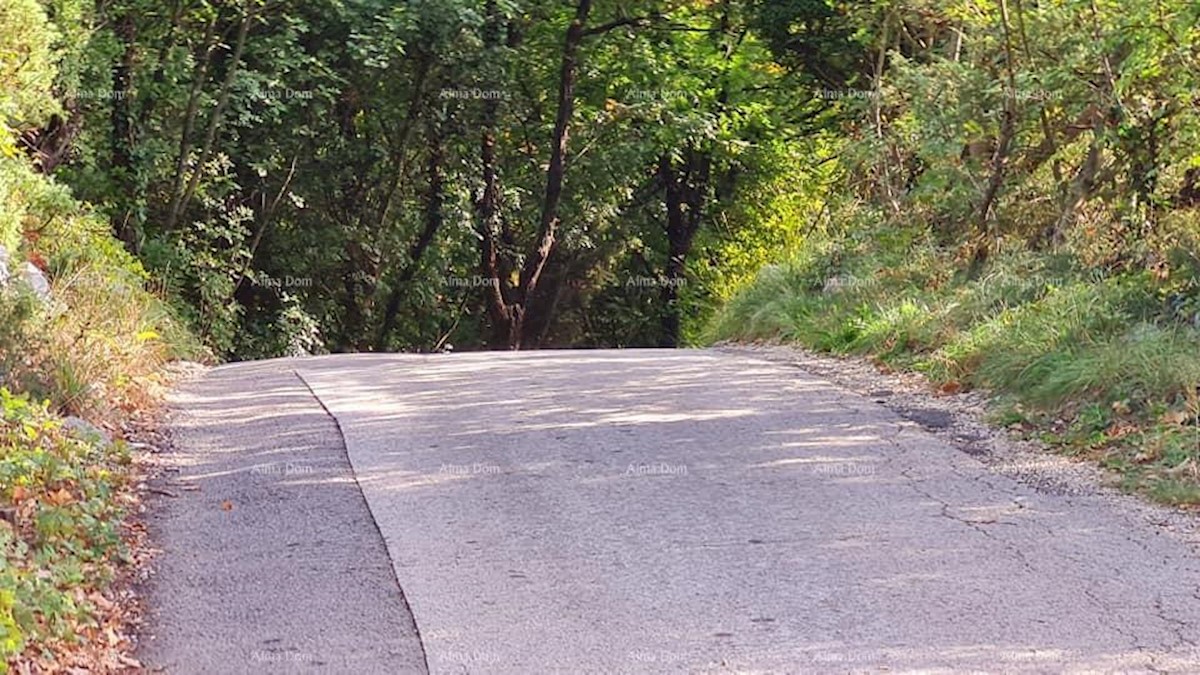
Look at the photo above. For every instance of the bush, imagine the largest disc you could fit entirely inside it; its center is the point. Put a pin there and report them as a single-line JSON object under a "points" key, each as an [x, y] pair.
{"points": [[60, 533], [98, 344]]}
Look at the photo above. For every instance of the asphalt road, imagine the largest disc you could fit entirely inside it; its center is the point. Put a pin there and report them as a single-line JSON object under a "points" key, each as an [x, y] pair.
{"points": [[634, 511], [270, 562]]}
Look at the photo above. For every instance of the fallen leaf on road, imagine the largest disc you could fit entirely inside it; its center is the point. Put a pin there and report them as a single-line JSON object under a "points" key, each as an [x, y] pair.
{"points": [[226, 505]]}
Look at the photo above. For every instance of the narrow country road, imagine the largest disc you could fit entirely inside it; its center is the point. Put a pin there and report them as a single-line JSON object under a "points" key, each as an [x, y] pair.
{"points": [[636, 511]]}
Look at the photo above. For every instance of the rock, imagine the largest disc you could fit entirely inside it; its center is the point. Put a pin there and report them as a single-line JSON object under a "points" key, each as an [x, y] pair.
{"points": [[36, 280], [86, 431], [27, 272]]}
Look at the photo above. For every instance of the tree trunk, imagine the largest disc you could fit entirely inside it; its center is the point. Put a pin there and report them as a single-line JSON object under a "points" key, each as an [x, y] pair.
{"points": [[507, 306], [1080, 188], [121, 141], [398, 155], [552, 199], [497, 295], [181, 200], [685, 194], [50, 146], [434, 217], [192, 111], [999, 160], [672, 318], [1008, 126]]}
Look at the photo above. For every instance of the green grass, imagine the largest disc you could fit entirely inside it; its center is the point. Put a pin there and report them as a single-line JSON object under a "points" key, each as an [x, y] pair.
{"points": [[1091, 364]]}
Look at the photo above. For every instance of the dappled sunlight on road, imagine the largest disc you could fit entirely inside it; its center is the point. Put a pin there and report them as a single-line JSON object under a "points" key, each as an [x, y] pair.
{"points": [[867, 460], [759, 517]]}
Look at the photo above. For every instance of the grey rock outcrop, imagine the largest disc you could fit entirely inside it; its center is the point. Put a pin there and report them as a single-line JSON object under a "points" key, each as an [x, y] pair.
{"points": [[28, 273], [36, 280]]}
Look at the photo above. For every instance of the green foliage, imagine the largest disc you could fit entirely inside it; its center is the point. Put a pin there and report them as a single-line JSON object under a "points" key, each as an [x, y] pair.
{"points": [[27, 68], [1018, 213], [91, 348], [17, 309], [88, 350], [340, 145], [1048, 339], [60, 537], [318, 149]]}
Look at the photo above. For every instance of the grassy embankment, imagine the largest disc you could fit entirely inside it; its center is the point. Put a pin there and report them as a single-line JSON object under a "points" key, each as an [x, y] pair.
{"points": [[93, 350], [1102, 366]]}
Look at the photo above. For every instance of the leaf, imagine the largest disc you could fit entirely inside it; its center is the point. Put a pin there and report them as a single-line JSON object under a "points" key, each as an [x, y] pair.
{"points": [[60, 497], [226, 505], [1176, 417], [951, 387]]}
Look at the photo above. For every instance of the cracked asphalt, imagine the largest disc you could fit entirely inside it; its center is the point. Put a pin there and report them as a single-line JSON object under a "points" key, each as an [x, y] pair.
{"points": [[641, 511]]}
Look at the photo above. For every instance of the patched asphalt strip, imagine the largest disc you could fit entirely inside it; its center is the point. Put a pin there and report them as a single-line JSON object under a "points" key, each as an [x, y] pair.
{"points": [[271, 560]]}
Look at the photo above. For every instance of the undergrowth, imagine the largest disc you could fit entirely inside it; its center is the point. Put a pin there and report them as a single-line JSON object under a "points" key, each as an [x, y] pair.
{"points": [[60, 532], [92, 346], [1100, 364]]}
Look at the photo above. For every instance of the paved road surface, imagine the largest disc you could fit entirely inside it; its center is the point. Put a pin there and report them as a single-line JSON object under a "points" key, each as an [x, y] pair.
{"points": [[271, 561], [633, 511]]}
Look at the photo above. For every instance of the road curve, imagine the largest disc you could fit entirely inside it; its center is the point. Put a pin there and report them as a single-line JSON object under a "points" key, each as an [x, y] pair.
{"points": [[699, 511]]}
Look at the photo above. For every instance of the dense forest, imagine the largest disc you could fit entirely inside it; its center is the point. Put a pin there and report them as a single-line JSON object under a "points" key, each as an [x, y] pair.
{"points": [[300, 177], [1002, 194], [411, 176]]}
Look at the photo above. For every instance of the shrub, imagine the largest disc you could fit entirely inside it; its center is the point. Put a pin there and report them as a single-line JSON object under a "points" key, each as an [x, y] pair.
{"points": [[60, 536]]}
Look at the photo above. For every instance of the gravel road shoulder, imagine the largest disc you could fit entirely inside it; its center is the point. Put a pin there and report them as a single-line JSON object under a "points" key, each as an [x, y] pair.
{"points": [[960, 419]]}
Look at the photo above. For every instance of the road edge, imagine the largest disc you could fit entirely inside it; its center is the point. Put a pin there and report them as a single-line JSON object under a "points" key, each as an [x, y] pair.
{"points": [[374, 521]]}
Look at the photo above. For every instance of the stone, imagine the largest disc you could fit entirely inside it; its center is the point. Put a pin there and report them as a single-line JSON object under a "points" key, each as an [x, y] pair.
{"points": [[36, 280], [86, 431]]}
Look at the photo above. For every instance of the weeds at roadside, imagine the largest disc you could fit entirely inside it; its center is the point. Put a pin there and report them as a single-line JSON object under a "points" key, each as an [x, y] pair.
{"points": [[64, 502], [1095, 366]]}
